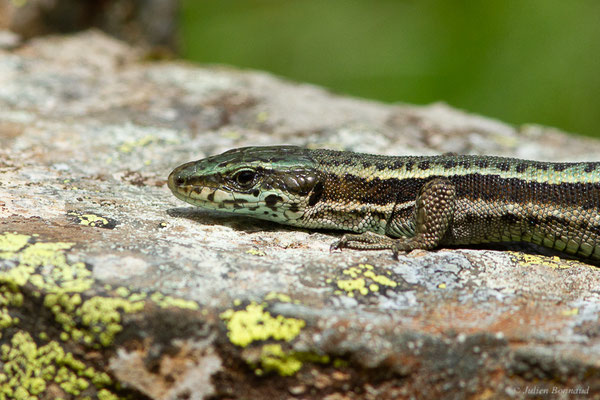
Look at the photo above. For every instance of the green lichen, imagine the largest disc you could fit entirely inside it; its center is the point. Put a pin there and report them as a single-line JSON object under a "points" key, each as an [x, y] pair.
{"points": [[28, 369], [254, 323]]}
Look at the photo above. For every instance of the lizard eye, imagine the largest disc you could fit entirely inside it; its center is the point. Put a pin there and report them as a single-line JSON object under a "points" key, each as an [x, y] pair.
{"points": [[245, 177]]}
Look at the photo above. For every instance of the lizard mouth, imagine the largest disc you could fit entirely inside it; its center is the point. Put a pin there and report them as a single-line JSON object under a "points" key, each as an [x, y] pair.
{"points": [[204, 195], [209, 192]]}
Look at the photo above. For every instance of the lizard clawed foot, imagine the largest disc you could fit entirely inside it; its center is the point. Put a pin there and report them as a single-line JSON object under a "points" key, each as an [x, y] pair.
{"points": [[363, 241], [346, 241], [397, 250], [337, 245]]}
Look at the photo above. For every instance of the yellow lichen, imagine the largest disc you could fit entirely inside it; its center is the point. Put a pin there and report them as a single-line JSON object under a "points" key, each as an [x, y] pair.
{"points": [[351, 285], [30, 256], [106, 395], [550, 262], [533, 259], [168, 301], [92, 220], [102, 317], [262, 116], [128, 147], [273, 358], [364, 280], [570, 312], [122, 291], [381, 279], [12, 242], [29, 368], [284, 298], [8, 298], [91, 321], [254, 323], [286, 363], [255, 252]]}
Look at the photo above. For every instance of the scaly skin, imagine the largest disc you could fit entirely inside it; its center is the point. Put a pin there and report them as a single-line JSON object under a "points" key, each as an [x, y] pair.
{"points": [[404, 203]]}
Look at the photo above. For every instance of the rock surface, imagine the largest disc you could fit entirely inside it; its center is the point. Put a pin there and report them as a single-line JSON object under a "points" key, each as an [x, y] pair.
{"points": [[110, 287], [134, 21]]}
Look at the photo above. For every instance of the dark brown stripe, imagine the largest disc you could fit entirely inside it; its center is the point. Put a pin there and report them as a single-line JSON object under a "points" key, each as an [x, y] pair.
{"points": [[395, 165], [522, 167], [503, 166], [494, 188], [450, 164], [424, 165], [482, 163], [590, 167], [352, 188], [559, 167], [316, 194], [272, 200], [475, 186]]}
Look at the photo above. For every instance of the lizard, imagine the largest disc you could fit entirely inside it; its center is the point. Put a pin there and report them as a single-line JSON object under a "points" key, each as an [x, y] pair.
{"points": [[403, 203]]}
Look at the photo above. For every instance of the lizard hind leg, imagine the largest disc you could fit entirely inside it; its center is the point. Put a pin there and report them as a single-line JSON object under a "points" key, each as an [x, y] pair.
{"points": [[434, 210]]}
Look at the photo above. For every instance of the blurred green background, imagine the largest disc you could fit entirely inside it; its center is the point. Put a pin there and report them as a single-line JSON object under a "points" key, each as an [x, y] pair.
{"points": [[530, 61]]}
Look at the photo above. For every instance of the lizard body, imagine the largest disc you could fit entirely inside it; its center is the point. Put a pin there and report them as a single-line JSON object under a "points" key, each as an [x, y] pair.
{"points": [[404, 203]]}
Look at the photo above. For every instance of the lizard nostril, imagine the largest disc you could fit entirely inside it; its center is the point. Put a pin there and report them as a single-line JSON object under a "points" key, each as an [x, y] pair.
{"points": [[179, 181]]}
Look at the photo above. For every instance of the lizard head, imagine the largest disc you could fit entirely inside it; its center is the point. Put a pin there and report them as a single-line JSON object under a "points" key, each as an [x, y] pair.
{"points": [[275, 182]]}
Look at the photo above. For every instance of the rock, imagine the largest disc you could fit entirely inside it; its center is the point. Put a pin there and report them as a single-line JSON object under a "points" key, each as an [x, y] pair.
{"points": [[134, 21], [112, 287], [9, 40]]}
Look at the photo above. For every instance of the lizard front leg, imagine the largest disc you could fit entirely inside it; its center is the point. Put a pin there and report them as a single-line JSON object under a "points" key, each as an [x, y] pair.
{"points": [[434, 210]]}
